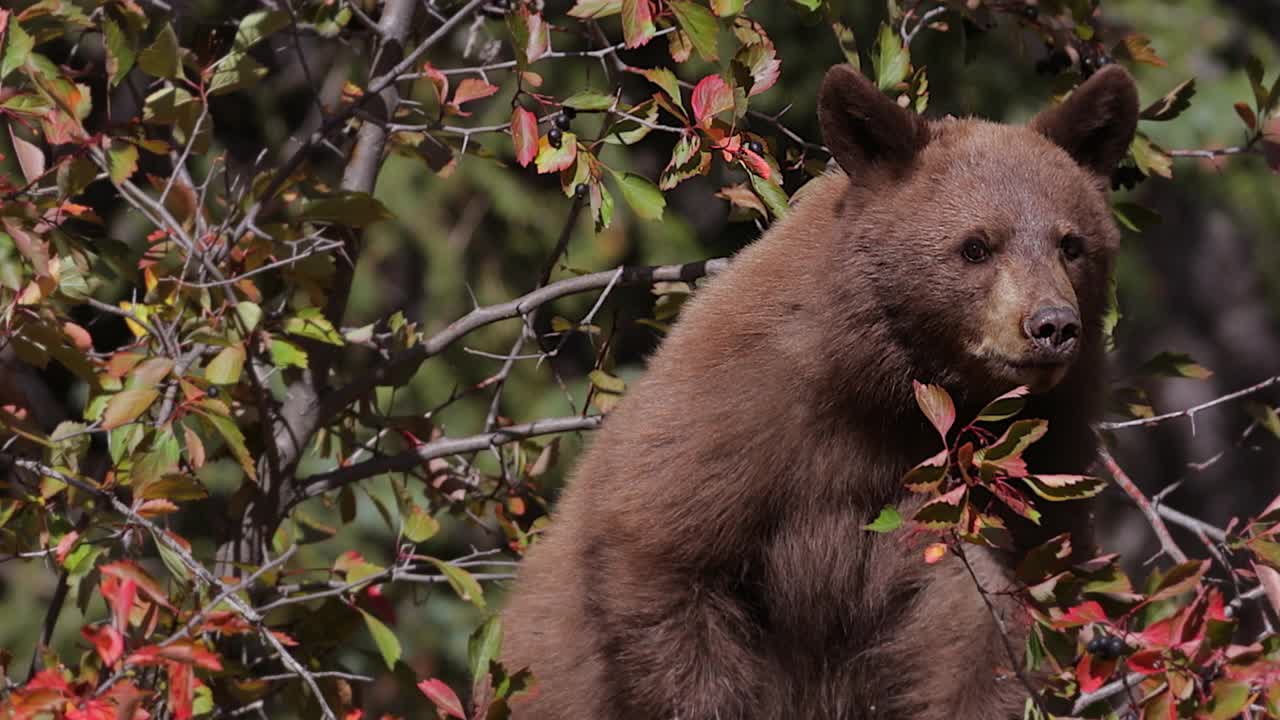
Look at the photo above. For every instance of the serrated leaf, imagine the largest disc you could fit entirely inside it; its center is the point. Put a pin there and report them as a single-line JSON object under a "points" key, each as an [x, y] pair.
{"points": [[1139, 48], [1180, 579], [235, 71], [1230, 698], [893, 61], [551, 159], [943, 512], [1150, 159], [643, 196], [286, 354], [310, 323], [354, 209], [249, 314], [386, 641], [1020, 435], [127, 405], [637, 22], [256, 26], [230, 432], [161, 58], [17, 48], [727, 8], [461, 582], [937, 406], [774, 197], [888, 520], [524, 135], [589, 100], [225, 367], [593, 9], [1064, 487], [665, 80], [121, 52], [927, 476], [711, 96], [700, 25], [122, 161]]}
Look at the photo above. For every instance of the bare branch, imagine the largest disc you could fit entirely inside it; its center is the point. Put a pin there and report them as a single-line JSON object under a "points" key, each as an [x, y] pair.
{"points": [[1191, 411], [1153, 517]]}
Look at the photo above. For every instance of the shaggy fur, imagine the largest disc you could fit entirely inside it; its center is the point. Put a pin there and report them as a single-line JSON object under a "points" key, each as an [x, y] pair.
{"points": [[708, 559]]}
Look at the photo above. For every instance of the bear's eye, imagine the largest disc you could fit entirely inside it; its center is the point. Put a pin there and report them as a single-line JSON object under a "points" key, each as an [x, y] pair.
{"points": [[975, 250], [1072, 246]]}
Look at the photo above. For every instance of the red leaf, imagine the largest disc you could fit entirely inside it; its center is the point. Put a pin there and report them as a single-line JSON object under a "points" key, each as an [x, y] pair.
{"points": [[106, 640], [78, 336], [711, 96], [637, 22], [1146, 662], [524, 135], [757, 164], [67, 542], [443, 697], [181, 691], [1092, 673], [439, 81], [120, 596], [185, 652], [127, 571], [936, 405], [1083, 614], [470, 89]]}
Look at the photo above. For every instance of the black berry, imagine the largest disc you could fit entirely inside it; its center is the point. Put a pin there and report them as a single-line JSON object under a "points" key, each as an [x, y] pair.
{"points": [[581, 190], [1094, 646], [1114, 646], [554, 136], [212, 391], [563, 121], [1030, 12], [568, 112], [755, 147]]}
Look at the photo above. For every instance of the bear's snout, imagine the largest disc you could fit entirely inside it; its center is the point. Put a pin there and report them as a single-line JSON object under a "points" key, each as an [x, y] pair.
{"points": [[1053, 330]]}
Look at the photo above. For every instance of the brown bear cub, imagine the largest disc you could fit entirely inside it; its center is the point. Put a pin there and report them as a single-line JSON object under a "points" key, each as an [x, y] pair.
{"points": [[708, 559]]}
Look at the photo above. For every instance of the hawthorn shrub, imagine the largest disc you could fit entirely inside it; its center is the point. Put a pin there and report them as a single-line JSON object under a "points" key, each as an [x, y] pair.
{"points": [[199, 438]]}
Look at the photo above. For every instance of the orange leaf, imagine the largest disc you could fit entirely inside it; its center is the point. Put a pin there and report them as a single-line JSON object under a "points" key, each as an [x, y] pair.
{"points": [[524, 135], [934, 553]]}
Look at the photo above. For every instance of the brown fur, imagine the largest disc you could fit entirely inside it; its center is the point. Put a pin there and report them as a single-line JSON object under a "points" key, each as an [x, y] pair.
{"points": [[708, 558]]}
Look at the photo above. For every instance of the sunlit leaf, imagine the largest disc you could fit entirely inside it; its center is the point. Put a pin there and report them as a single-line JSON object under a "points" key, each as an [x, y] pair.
{"points": [[161, 58], [888, 520], [127, 405], [386, 641], [699, 24]]}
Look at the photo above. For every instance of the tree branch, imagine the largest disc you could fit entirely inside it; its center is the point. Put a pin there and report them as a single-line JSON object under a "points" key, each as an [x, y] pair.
{"points": [[1191, 411], [322, 483]]}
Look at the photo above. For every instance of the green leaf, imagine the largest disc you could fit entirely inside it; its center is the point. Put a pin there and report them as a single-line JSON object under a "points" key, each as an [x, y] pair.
{"points": [[727, 8], [161, 58], [122, 161], [1180, 579], [177, 568], [122, 52], [700, 25], [774, 197], [257, 25], [606, 382], [126, 405], [286, 354], [553, 159], [225, 367], [888, 520], [594, 9], [249, 314], [1266, 416], [1230, 698], [388, 644], [927, 476], [353, 209], [665, 80], [848, 44], [1064, 487], [893, 61], [231, 434], [1005, 406], [17, 48], [1149, 158], [461, 582], [235, 71], [589, 100], [1174, 364], [419, 525], [1015, 441], [643, 196], [809, 5], [484, 647], [310, 323]]}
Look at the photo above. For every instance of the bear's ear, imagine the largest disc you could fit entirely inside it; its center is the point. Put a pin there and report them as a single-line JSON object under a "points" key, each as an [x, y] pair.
{"points": [[1096, 123], [862, 127]]}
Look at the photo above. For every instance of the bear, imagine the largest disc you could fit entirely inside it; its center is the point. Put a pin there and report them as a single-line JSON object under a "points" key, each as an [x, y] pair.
{"points": [[708, 558]]}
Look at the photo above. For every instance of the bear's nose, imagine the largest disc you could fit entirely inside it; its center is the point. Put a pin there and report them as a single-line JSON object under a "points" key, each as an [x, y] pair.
{"points": [[1053, 328]]}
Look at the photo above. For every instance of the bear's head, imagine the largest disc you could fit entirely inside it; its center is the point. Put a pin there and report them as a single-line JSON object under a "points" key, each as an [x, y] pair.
{"points": [[988, 248]]}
